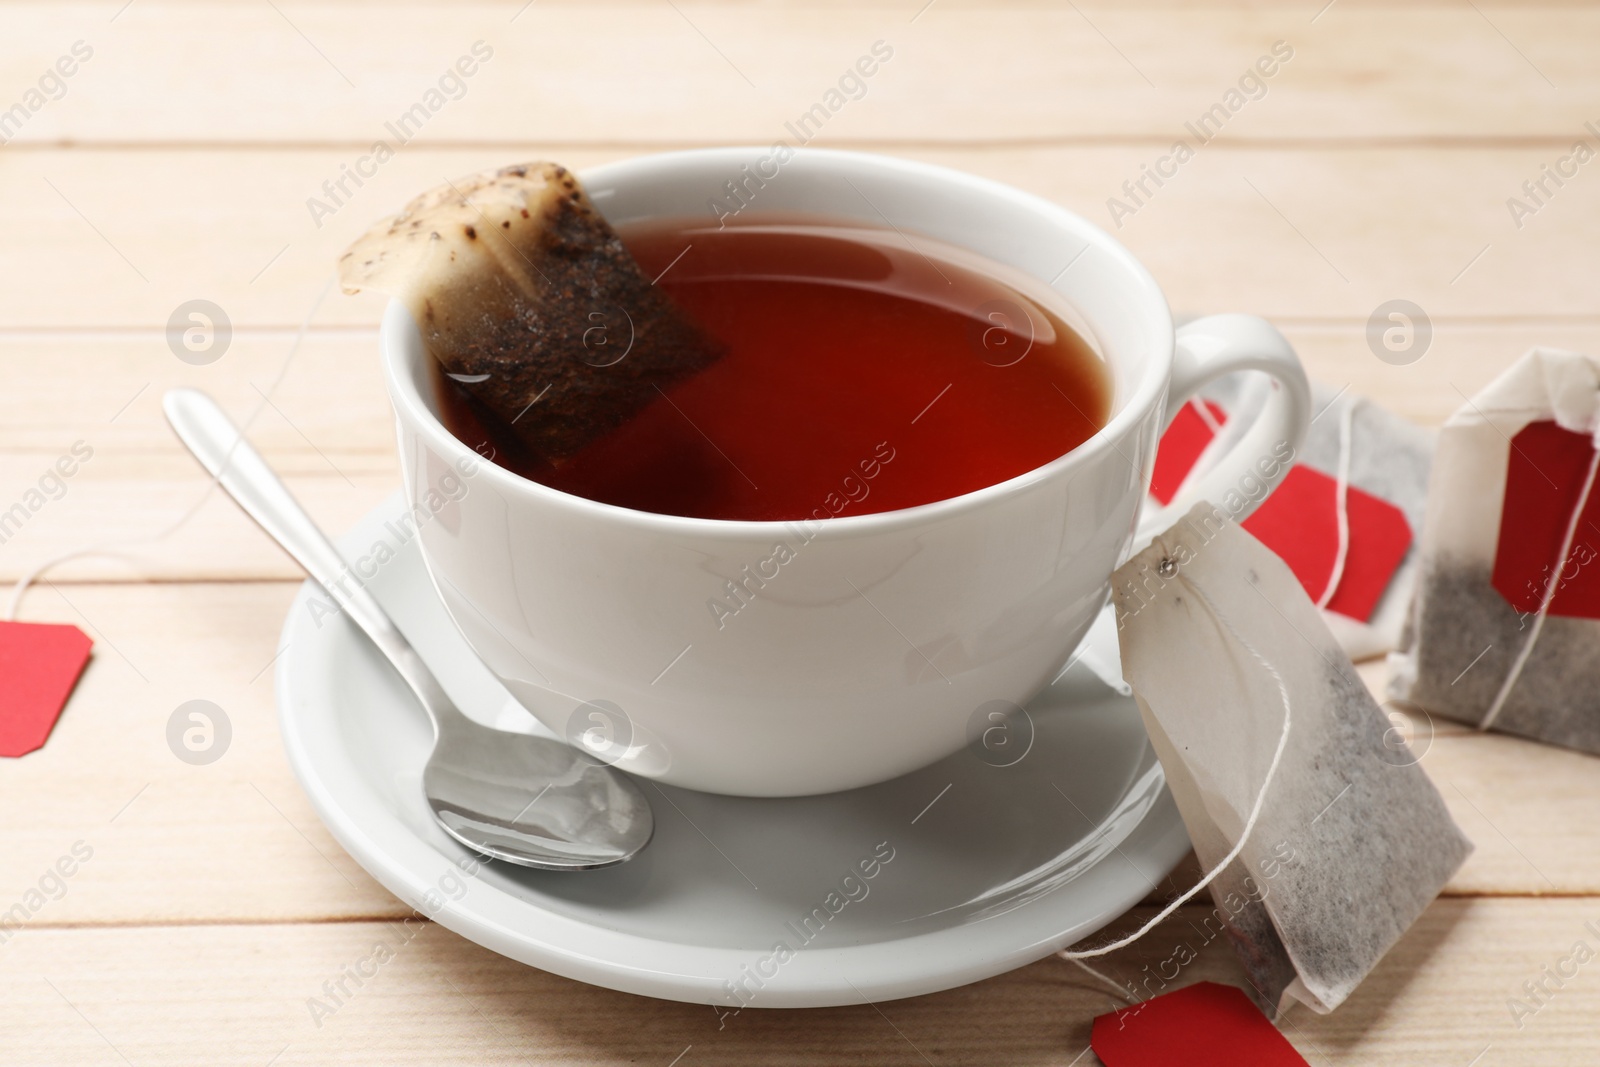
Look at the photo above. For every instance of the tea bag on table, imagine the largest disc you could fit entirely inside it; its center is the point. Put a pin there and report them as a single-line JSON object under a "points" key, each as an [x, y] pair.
{"points": [[530, 302], [1344, 518], [1225, 651], [1386, 460], [1505, 628]]}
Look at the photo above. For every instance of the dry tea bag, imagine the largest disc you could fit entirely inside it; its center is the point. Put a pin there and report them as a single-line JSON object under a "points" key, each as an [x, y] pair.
{"points": [[1344, 518], [1261, 723], [1506, 624], [1368, 450], [529, 301]]}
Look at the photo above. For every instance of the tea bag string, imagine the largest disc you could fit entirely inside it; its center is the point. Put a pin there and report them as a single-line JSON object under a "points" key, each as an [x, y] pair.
{"points": [[1255, 809], [116, 546], [1551, 585], [1341, 504], [1341, 498]]}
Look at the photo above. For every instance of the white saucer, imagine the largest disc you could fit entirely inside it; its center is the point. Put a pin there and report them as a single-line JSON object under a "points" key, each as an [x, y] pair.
{"points": [[992, 868]]}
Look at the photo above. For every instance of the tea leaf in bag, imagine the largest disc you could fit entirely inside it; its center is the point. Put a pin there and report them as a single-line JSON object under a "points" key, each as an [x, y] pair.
{"points": [[1224, 650], [530, 302], [1506, 622]]}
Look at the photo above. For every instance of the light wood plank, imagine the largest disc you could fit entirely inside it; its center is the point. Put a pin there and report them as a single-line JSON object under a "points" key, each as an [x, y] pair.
{"points": [[227, 995], [178, 165], [326, 398], [157, 517], [327, 428], [1527, 807], [108, 778], [234, 839], [722, 72], [105, 239]]}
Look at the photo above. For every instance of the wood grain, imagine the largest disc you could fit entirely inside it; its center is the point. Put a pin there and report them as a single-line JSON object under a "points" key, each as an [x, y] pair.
{"points": [[117, 240], [239, 994], [178, 164], [1030, 73]]}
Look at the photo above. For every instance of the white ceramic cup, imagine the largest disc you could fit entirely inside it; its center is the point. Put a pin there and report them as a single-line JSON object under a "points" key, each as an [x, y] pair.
{"points": [[871, 651]]}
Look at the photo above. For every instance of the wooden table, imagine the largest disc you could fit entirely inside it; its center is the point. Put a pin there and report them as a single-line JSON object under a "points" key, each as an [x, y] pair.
{"points": [[1376, 163]]}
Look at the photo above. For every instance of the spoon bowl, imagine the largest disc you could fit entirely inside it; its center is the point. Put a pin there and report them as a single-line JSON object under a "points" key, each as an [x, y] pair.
{"points": [[585, 815], [527, 800]]}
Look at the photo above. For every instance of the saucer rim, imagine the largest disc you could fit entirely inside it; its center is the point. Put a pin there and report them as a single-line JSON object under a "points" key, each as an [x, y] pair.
{"points": [[520, 929]]}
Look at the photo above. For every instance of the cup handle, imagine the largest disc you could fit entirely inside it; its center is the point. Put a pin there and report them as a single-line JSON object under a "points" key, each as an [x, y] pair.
{"points": [[1241, 478]]}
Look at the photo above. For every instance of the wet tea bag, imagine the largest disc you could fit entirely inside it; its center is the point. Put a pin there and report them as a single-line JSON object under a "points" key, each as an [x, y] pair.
{"points": [[1275, 752], [529, 301], [1506, 624], [1344, 518]]}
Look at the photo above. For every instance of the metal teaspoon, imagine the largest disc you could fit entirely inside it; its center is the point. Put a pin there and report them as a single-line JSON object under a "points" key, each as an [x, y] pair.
{"points": [[526, 800]]}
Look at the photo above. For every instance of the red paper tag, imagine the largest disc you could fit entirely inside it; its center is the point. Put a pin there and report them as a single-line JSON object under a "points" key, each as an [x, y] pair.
{"points": [[1180, 449], [1202, 1025], [39, 665], [1300, 522], [1544, 476]]}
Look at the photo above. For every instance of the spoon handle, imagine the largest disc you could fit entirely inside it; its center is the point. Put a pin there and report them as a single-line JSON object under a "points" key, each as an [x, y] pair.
{"points": [[216, 442]]}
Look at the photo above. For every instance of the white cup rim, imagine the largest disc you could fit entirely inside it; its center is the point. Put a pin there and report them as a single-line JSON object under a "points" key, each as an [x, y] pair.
{"points": [[405, 390]]}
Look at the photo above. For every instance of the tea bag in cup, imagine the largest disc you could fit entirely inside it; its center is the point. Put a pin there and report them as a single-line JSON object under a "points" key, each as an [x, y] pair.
{"points": [[531, 304], [1344, 518], [1325, 842], [1506, 623]]}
